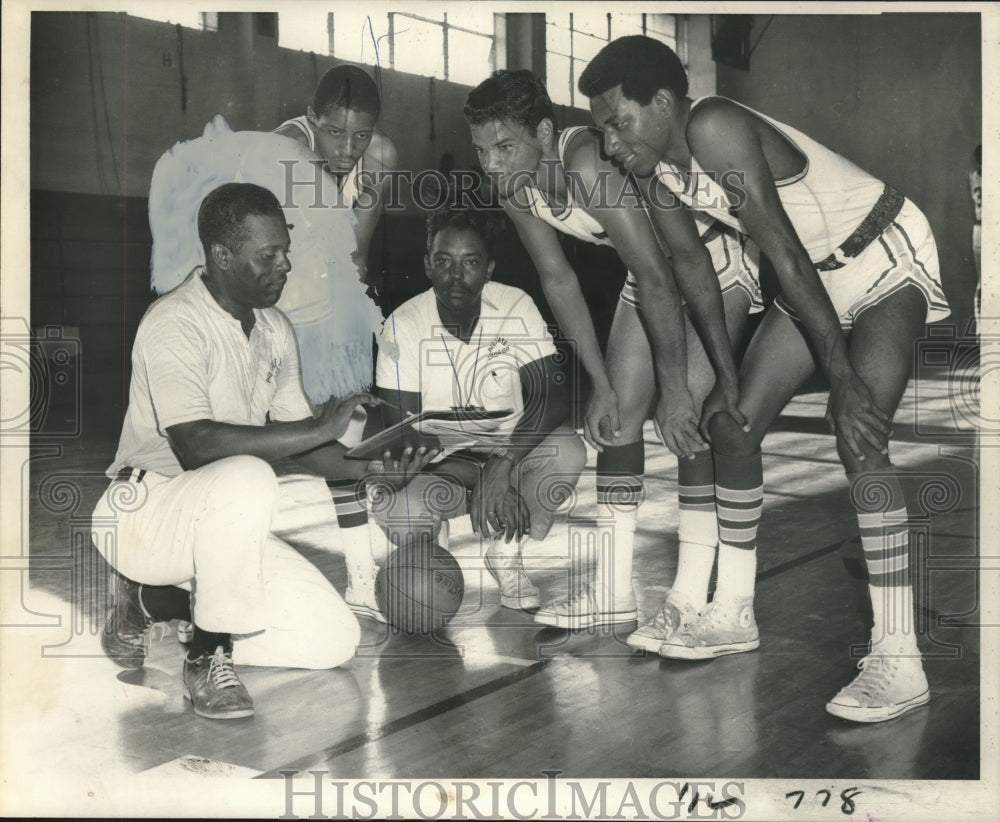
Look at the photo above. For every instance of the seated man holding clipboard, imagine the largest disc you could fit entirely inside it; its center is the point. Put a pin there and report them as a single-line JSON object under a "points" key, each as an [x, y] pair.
{"points": [[479, 352]]}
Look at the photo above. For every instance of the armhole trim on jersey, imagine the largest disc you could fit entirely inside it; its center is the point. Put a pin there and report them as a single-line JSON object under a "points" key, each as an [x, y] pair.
{"points": [[795, 178], [566, 136], [304, 130]]}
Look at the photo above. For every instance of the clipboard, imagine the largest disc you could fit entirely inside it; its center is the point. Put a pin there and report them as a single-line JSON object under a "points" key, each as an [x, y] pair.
{"points": [[451, 430]]}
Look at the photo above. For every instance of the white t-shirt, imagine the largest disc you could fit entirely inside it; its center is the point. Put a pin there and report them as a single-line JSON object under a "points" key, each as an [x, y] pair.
{"points": [[192, 361], [417, 353]]}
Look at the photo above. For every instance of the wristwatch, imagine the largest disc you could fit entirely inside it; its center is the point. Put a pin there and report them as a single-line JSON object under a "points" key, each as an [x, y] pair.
{"points": [[504, 454]]}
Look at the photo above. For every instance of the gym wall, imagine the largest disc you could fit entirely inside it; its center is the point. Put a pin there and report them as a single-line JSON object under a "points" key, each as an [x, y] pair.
{"points": [[898, 94]]}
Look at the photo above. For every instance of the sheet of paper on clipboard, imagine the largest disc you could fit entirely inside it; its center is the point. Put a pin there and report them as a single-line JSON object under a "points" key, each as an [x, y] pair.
{"points": [[450, 430]]}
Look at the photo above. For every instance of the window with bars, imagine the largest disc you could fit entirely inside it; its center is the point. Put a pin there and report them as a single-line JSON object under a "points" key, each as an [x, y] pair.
{"points": [[454, 45], [572, 39]]}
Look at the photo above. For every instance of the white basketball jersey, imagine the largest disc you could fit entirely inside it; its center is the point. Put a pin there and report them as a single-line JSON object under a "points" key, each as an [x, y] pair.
{"points": [[825, 202], [349, 182], [573, 220]]}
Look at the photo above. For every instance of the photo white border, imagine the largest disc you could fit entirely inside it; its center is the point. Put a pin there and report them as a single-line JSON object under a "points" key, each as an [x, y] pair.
{"points": [[26, 788]]}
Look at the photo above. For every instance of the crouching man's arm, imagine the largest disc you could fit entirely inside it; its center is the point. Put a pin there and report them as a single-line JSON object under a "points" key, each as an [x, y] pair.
{"points": [[200, 442], [496, 505]]}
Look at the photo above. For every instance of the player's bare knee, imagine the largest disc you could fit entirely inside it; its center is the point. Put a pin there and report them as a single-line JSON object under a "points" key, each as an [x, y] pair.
{"points": [[873, 459], [728, 437]]}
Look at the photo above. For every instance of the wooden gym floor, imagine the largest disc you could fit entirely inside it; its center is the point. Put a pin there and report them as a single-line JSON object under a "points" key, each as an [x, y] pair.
{"points": [[495, 696]]}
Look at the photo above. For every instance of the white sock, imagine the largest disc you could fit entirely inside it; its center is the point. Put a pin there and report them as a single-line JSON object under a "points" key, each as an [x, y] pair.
{"points": [[359, 559], [697, 528], [893, 629], [613, 576], [737, 572], [698, 534]]}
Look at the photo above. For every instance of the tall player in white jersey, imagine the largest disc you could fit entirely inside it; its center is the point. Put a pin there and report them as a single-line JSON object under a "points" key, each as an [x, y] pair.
{"points": [[851, 255], [656, 364]]}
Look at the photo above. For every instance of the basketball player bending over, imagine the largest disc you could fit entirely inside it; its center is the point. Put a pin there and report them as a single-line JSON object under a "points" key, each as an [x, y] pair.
{"points": [[551, 182], [858, 272]]}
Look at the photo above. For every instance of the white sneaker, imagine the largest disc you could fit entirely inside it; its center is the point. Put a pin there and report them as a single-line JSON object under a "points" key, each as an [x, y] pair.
{"points": [[580, 610], [675, 614], [360, 594], [516, 590], [887, 687], [726, 626]]}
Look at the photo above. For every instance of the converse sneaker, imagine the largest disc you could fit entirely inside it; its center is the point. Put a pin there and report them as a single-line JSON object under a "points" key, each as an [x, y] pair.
{"points": [[887, 687], [724, 627], [210, 682], [126, 631], [516, 590], [367, 609], [580, 610], [673, 615]]}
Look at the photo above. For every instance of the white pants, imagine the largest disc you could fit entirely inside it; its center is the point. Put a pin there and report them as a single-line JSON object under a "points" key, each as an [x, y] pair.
{"points": [[214, 531]]}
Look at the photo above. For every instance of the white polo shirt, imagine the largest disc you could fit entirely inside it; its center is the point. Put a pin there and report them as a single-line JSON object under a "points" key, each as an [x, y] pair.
{"points": [[192, 361], [417, 353]]}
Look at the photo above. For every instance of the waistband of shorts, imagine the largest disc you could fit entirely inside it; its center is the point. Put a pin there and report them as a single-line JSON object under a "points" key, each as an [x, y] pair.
{"points": [[885, 210], [714, 231]]}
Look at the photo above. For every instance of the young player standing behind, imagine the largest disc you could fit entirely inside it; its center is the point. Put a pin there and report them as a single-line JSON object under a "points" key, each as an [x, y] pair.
{"points": [[339, 126], [553, 182], [850, 253]]}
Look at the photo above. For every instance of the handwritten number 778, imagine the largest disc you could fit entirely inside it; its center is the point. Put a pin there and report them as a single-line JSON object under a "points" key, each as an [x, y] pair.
{"points": [[846, 796]]}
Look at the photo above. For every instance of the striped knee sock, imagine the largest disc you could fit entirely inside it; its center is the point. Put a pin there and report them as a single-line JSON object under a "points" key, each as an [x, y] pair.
{"points": [[619, 492], [698, 528], [350, 502], [739, 492], [878, 498]]}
